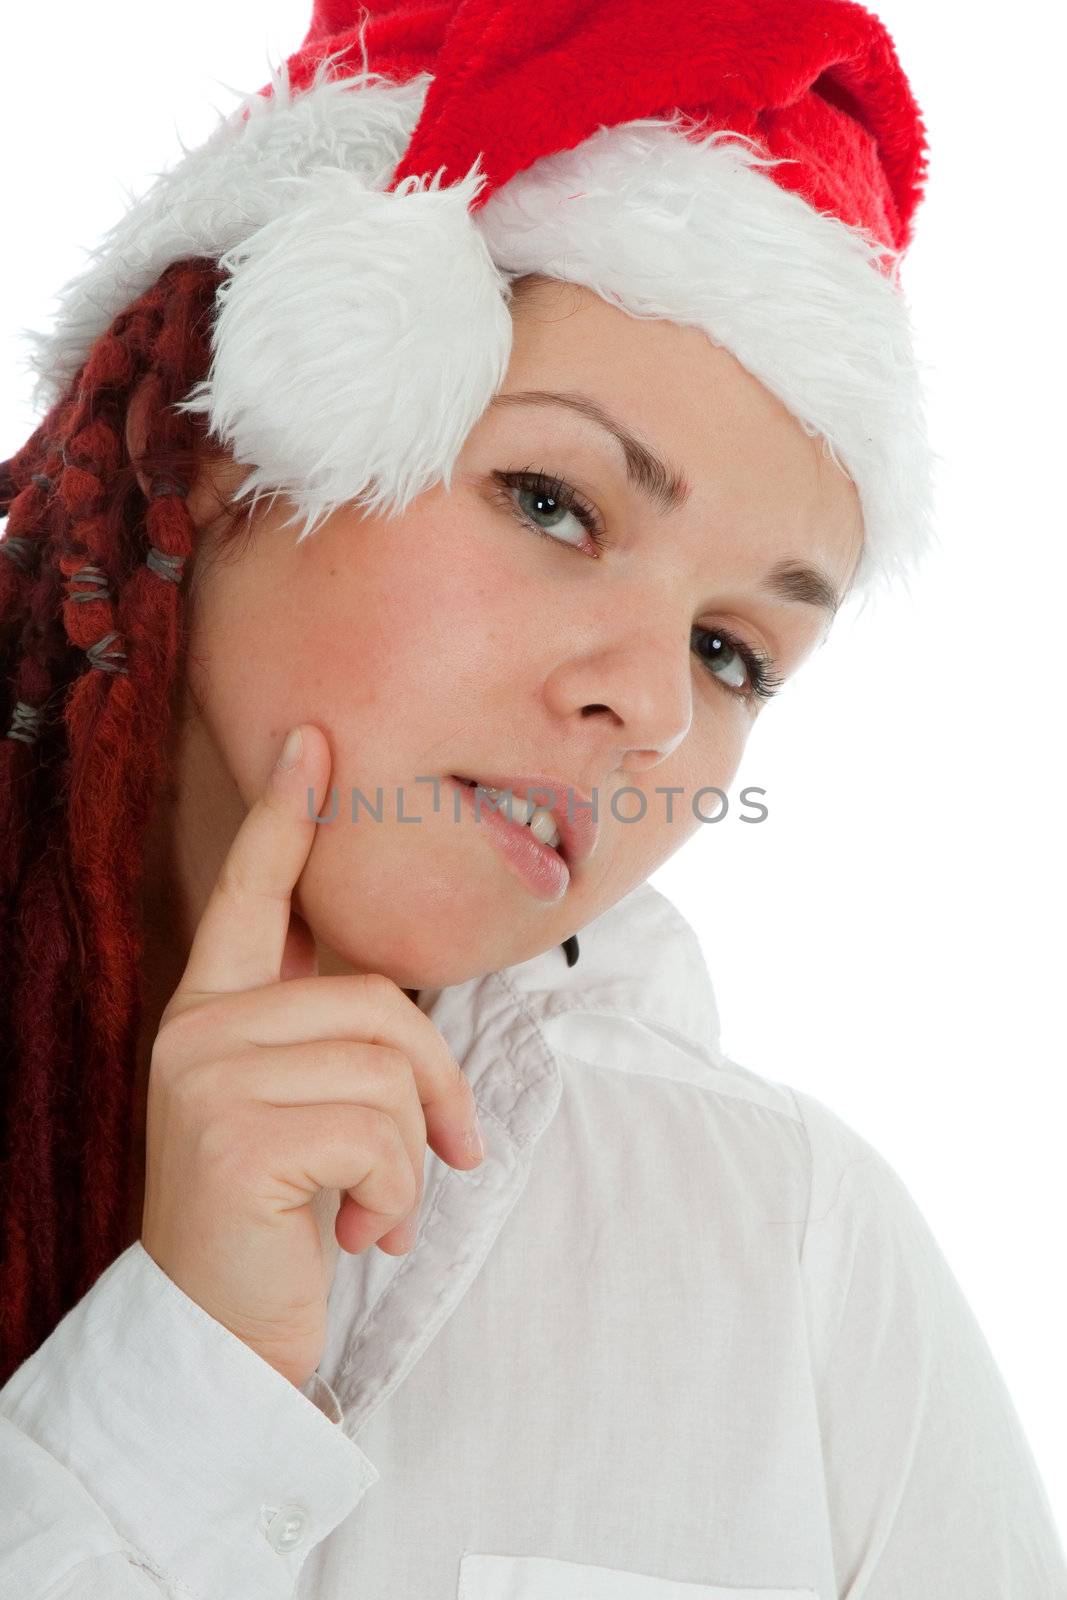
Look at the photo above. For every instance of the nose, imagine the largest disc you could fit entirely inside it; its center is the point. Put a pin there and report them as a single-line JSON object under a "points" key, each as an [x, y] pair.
{"points": [[640, 687]]}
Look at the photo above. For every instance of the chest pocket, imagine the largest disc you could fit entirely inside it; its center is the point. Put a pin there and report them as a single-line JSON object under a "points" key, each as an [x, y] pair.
{"points": [[488, 1577]]}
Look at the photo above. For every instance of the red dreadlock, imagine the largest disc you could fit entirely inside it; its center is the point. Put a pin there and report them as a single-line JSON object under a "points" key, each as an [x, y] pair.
{"points": [[91, 642]]}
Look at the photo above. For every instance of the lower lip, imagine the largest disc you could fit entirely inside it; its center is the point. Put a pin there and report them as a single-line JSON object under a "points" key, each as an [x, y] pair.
{"points": [[542, 869]]}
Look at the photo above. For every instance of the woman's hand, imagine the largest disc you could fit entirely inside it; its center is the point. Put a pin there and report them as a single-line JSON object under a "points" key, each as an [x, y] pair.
{"points": [[265, 1089]]}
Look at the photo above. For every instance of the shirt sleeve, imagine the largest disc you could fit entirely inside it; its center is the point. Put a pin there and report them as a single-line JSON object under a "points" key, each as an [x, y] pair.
{"points": [[932, 1487], [147, 1451]]}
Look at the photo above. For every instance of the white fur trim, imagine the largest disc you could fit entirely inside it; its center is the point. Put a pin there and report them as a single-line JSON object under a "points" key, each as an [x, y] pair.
{"points": [[220, 193], [360, 335]]}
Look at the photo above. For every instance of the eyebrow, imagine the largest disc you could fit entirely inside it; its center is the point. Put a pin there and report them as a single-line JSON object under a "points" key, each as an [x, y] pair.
{"points": [[668, 489], [796, 580], [663, 484]]}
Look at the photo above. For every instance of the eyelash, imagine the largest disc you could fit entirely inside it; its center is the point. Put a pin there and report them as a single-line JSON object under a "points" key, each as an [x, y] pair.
{"points": [[764, 680]]}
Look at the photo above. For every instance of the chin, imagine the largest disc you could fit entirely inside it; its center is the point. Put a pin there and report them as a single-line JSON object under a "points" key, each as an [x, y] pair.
{"points": [[412, 925], [429, 962], [426, 944]]}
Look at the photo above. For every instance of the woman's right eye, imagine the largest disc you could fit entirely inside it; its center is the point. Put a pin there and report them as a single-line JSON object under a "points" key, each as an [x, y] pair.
{"points": [[548, 496]]}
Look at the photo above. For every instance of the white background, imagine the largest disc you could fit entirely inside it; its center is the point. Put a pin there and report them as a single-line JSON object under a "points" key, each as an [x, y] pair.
{"points": [[890, 939]]}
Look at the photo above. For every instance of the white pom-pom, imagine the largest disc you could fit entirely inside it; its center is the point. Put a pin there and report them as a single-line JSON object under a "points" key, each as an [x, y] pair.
{"points": [[358, 339]]}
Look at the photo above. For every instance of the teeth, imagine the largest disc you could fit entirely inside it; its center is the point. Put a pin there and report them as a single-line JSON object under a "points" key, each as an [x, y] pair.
{"points": [[542, 827], [538, 819]]}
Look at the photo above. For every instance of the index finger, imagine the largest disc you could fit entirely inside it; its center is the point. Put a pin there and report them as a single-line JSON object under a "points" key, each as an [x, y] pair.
{"points": [[240, 938]]}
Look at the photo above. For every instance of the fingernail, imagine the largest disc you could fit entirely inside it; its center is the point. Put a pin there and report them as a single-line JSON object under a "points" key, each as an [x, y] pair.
{"points": [[292, 749]]}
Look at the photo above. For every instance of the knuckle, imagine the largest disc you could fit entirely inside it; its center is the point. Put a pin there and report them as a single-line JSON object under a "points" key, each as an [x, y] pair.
{"points": [[229, 1147], [177, 1037], [381, 1141], [377, 990], [236, 878], [380, 1133], [201, 1084], [455, 1074], [338, 1056], [388, 1066], [230, 880], [403, 1186], [452, 1078], [409, 1198]]}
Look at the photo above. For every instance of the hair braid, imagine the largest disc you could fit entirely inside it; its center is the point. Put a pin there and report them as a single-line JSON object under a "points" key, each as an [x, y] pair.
{"points": [[91, 638]]}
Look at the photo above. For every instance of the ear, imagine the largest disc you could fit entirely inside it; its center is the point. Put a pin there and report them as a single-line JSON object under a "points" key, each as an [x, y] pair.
{"points": [[137, 427], [202, 500]]}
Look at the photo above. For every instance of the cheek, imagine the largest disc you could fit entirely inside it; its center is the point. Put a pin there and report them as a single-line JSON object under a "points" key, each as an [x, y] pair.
{"points": [[398, 639], [680, 797], [722, 725], [421, 623]]}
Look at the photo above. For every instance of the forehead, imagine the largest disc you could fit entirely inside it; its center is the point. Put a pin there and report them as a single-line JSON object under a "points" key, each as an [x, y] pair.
{"points": [[753, 471]]}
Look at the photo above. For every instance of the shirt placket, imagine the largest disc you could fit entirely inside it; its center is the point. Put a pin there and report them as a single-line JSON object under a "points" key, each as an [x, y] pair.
{"points": [[517, 1084]]}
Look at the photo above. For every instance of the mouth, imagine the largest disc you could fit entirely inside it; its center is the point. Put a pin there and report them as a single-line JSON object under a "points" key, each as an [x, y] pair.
{"points": [[538, 864], [543, 805], [537, 819]]}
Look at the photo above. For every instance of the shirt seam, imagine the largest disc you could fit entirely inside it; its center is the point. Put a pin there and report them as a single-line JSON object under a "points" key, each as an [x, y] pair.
{"points": [[587, 1004], [711, 1089], [549, 1054], [133, 1557]]}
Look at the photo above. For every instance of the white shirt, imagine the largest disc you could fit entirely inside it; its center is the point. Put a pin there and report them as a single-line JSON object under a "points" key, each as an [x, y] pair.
{"points": [[683, 1335]]}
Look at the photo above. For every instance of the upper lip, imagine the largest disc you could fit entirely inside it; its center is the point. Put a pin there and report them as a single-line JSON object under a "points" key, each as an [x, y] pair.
{"points": [[571, 808]]}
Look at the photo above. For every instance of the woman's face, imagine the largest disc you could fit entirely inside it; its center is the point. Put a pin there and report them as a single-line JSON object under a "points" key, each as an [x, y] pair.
{"points": [[458, 640]]}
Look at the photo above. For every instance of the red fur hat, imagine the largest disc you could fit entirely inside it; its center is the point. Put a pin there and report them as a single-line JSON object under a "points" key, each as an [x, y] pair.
{"points": [[748, 167]]}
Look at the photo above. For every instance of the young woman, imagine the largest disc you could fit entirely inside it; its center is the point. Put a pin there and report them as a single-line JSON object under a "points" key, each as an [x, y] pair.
{"points": [[574, 337]]}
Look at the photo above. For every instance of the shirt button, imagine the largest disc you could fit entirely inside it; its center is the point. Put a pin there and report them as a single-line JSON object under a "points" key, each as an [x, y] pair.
{"points": [[287, 1527]]}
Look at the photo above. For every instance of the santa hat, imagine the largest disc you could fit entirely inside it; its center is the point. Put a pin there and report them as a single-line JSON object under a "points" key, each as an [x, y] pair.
{"points": [[747, 167]]}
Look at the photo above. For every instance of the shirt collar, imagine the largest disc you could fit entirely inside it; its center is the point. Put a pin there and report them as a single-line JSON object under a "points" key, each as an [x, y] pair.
{"points": [[640, 960]]}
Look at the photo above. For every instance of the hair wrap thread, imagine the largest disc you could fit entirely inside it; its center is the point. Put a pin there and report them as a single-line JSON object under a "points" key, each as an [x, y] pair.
{"points": [[99, 657], [165, 565], [26, 723], [18, 550], [26, 719], [89, 574]]}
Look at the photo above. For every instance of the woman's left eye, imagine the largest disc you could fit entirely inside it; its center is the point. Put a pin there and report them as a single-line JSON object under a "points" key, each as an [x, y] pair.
{"points": [[746, 671], [551, 498], [741, 669]]}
